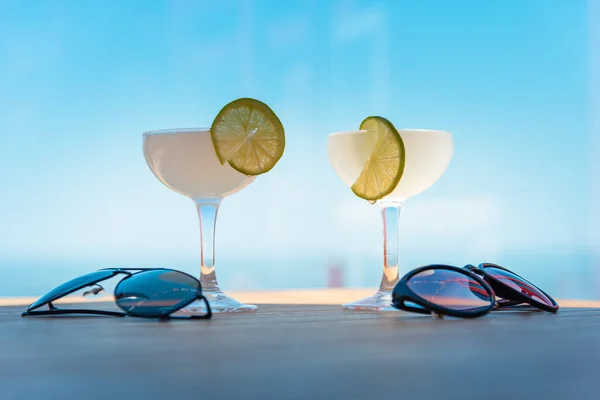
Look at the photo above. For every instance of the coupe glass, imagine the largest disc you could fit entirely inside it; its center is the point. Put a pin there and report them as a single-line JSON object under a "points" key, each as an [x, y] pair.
{"points": [[184, 160], [428, 153]]}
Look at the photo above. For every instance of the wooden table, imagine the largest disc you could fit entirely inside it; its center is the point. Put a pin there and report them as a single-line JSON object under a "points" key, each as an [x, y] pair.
{"points": [[302, 352]]}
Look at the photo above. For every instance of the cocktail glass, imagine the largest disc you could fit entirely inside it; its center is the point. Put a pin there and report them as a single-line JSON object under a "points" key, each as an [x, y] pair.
{"points": [[184, 160], [428, 153]]}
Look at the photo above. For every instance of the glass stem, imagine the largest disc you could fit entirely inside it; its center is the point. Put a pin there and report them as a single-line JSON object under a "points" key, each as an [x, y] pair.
{"points": [[207, 212], [391, 216]]}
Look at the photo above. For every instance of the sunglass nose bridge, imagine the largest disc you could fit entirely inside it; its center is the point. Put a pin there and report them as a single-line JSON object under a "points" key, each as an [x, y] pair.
{"points": [[95, 292], [474, 269]]}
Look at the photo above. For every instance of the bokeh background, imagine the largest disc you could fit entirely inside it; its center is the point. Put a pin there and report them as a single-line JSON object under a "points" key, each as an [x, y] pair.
{"points": [[517, 82]]}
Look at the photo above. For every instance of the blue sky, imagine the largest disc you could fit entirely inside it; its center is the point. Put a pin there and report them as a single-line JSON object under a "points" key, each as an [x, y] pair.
{"points": [[80, 82]]}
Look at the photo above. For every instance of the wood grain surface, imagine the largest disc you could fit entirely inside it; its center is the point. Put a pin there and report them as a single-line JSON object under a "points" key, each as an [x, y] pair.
{"points": [[302, 352]]}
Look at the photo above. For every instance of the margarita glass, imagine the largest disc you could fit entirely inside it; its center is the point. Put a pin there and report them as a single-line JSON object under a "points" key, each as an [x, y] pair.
{"points": [[427, 155], [184, 160]]}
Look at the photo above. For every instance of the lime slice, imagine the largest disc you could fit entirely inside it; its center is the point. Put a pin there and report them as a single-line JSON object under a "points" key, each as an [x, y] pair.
{"points": [[384, 168], [248, 135]]}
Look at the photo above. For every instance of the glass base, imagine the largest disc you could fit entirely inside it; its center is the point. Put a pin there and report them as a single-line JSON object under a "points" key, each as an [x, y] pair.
{"points": [[219, 303], [380, 301]]}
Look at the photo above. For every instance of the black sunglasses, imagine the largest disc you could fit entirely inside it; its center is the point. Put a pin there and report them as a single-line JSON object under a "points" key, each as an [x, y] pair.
{"points": [[467, 292], [147, 293], [513, 289]]}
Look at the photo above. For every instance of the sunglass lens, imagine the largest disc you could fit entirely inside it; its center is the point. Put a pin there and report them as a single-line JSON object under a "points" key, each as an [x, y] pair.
{"points": [[156, 293], [73, 285], [519, 284], [450, 289]]}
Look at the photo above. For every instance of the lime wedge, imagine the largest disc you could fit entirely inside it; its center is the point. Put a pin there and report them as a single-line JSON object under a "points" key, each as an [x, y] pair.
{"points": [[248, 135], [384, 168]]}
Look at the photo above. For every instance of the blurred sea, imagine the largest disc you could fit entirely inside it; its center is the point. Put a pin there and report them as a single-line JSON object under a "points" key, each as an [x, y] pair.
{"points": [[562, 276]]}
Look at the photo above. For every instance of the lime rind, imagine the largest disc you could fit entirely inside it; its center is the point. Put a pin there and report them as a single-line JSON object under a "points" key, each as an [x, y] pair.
{"points": [[249, 136], [385, 166]]}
